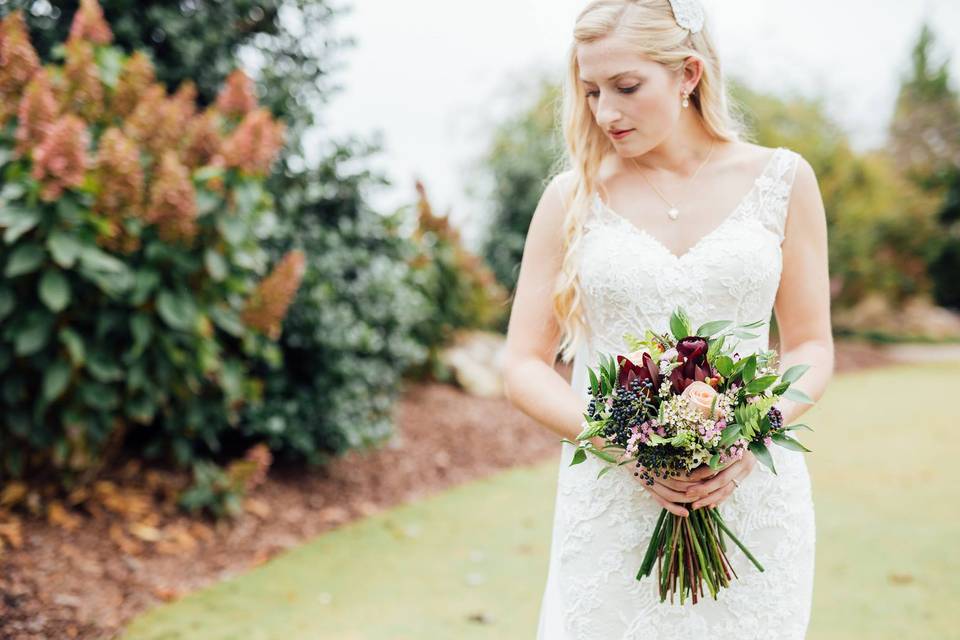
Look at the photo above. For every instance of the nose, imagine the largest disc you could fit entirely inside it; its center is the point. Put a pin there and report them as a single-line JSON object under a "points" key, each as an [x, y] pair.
{"points": [[607, 114]]}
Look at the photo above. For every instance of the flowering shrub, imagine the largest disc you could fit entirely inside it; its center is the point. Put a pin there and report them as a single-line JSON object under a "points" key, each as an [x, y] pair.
{"points": [[135, 298]]}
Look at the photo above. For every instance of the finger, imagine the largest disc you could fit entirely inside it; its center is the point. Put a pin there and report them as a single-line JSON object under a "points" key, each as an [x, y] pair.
{"points": [[701, 473], [711, 485], [669, 506], [669, 494], [677, 484], [714, 498]]}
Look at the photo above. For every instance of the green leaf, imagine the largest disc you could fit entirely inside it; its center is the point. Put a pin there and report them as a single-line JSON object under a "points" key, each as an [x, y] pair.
{"points": [[780, 388], [98, 260], [74, 343], [7, 302], [760, 384], [603, 471], [141, 408], [177, 310], [26, 258], [731, 433], [679, 324], [142, 330], [228, 320], [749, 368], [714, 462], [708, 329], [745, 334], [99, 396], [578, 456], [793, 373], [208, 172], [55, 380], [64, 248], [788, 443], [102, 368], [603, 455], [216, 265], [55, 290], [207, 202], [797, 395], [21, 224], [794, 427], [763, 455], [724, 365], [594, 385], [33, 337], [145, 281]]}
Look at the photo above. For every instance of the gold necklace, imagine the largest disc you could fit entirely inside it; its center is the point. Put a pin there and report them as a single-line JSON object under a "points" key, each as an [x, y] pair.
{"points": [[673, 212]]}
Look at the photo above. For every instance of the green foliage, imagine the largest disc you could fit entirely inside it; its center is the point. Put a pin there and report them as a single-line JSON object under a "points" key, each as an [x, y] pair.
{"points": [[104, 346], [524, 153], [882, 229], [348, 338], [462, 290]]}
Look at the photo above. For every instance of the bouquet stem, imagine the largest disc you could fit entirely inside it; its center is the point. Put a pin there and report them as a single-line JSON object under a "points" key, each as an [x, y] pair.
{"points": [[689, 552]]}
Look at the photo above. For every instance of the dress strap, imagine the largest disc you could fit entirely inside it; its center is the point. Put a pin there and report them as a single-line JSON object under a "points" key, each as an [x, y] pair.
{"points": [[775, 187]]}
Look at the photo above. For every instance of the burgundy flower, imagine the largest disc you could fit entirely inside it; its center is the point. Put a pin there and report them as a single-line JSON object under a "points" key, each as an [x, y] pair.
{"points": [[692, 352], [646, 370]]}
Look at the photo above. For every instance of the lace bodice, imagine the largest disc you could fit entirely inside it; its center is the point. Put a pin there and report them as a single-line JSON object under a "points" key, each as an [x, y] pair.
{"points": [[630, 281]]}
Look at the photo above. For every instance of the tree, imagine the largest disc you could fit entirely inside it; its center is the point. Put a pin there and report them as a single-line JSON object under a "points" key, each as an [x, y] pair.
{"points": [[925, 141]]}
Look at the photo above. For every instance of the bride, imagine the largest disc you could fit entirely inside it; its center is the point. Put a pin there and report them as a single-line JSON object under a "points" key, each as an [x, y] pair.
{"points": [[666, 205]]}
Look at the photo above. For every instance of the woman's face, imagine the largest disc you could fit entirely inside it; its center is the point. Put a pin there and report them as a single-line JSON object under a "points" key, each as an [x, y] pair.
{"points": [[627, 91]]}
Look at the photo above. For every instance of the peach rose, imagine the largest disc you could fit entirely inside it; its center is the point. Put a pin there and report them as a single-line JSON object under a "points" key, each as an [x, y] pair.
{"points": [[700, 395], [636, 357]]}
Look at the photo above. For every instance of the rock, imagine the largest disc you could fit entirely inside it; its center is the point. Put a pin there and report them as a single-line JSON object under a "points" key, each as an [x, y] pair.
{"points": [[476, 359]]}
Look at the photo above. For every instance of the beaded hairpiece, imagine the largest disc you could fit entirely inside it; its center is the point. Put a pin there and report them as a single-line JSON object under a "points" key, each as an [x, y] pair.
{"points": [[688, 14]]}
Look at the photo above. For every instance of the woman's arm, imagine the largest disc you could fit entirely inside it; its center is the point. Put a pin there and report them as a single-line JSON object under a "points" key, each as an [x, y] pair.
{"points": [[530, 381], [802, 306]]}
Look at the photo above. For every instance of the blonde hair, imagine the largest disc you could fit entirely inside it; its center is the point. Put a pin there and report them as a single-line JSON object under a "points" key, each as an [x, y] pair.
{"points": [[649, 26]]}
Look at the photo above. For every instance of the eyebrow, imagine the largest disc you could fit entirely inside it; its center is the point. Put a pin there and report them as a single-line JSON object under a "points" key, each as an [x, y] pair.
{"points": [[613, 77]]}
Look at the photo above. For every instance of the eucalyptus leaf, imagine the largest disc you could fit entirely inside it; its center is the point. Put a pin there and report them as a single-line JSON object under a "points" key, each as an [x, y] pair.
{"points": [[793, 373], [709, 329], [797, 395], [760, 384], [789, 443], [724, 365]]}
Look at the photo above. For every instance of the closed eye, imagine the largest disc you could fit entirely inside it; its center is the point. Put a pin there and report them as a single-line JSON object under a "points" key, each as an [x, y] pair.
{"points": [[593, 94]]}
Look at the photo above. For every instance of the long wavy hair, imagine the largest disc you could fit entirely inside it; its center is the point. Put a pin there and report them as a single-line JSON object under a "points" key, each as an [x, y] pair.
{"points": [[650, 28]]}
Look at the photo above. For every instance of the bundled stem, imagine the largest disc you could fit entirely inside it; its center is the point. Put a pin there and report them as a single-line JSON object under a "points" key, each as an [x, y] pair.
{"points": [[689, 552]]}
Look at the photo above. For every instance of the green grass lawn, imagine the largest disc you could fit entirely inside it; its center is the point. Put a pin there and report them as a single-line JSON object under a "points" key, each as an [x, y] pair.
{"points": [[471, 562]]}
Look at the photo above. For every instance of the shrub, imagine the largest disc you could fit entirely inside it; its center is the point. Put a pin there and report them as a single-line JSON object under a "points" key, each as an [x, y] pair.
{"points": [[131, 254]]}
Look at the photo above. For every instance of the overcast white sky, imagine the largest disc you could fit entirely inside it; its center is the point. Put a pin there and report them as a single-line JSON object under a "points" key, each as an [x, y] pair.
{"points": [[432, 76]]}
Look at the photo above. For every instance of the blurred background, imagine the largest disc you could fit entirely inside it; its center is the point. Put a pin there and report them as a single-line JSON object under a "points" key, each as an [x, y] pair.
{"points": [[257, 259]]}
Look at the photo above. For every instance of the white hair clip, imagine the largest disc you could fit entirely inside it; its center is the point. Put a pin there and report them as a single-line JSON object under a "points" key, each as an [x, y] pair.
{"points": [[688, 14]]}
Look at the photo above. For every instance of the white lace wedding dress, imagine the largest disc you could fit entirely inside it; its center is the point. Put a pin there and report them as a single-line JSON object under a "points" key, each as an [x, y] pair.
{"points": [[631, 281]]}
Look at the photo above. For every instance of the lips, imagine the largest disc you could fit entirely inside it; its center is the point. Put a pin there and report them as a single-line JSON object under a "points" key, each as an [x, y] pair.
{"points": [[618, 134]]}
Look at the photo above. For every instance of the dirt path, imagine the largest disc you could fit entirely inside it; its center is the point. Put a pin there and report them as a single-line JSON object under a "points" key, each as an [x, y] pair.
{"points": [[87, 582]]}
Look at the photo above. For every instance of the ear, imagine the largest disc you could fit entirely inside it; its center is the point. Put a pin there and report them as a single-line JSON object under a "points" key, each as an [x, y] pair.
{"points": [[691, 73]]}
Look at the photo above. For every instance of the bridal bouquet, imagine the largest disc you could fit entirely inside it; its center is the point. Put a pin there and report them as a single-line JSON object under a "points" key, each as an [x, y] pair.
{"points": [[673, 404]]}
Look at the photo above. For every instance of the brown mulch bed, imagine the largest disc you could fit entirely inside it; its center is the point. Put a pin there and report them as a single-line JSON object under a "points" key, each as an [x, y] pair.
{"points": [[84, 573]]}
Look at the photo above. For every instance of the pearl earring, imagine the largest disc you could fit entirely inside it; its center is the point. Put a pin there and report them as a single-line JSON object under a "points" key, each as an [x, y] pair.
{"points": [[686, 100]]}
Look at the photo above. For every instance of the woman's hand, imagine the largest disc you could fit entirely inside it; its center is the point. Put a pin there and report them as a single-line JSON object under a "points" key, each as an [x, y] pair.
{"points": [[718, 488], [670, 493]]}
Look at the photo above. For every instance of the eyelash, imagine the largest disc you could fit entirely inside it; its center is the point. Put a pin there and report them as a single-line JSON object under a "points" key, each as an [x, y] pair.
{"points": [[593, 94]]}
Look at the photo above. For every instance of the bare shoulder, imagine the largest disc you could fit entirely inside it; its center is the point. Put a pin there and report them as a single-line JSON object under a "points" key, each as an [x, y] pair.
{"points": [[545, 232]]}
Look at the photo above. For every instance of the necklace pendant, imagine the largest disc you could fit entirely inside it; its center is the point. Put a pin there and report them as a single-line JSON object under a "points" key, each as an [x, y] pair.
{"points": [[673, 213]]}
